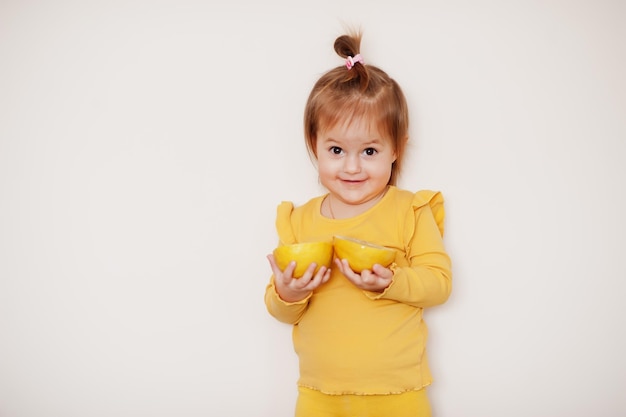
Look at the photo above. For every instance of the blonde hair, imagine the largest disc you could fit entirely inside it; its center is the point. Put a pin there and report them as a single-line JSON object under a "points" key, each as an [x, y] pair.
{"points": [[365, 91]]}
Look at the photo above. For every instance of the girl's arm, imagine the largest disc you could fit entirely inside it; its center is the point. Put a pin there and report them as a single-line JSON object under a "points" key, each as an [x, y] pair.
{"points": [[427, 281], [287, 298], [286, 312]]}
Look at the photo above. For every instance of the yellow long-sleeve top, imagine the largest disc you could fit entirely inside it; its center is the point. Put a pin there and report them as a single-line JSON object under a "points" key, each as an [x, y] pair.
{"points": [[351, 341]]}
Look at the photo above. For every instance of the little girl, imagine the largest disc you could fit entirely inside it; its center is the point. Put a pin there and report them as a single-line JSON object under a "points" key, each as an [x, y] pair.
{"points": [[361, 338]]}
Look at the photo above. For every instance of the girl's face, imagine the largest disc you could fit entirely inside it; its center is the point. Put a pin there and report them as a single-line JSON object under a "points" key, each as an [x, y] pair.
{"points": [[354, 164]]}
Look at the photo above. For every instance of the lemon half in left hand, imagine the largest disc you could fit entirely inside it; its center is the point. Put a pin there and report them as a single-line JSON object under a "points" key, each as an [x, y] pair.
{"points": [[304, 254]]}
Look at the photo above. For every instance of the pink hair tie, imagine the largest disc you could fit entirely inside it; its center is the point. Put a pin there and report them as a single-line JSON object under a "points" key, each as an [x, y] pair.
{"points": [[350, 61]]}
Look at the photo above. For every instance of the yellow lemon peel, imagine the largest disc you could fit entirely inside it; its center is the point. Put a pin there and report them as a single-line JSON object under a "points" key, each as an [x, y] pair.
{"points": [[304, 254], [362, 255]]}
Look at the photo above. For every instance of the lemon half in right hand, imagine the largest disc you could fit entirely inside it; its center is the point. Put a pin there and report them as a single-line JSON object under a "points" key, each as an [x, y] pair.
{"points": [[362, 255], [304, 254]]}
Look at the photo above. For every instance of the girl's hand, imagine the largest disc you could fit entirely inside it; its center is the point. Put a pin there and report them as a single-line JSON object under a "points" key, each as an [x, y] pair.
{"points": [[375, 280], [292, 289]]}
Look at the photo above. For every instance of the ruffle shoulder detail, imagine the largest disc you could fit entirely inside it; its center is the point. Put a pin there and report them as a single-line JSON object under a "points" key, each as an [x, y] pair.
{"points": [[434, 199], [429, 200], [284, 228]]}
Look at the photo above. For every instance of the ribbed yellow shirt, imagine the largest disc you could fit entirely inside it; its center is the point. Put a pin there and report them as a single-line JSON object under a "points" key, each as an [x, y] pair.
{"points": [[351, 341]]}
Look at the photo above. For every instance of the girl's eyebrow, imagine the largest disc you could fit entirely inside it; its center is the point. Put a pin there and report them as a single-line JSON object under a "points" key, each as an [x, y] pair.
{"points": [[375, 141]]}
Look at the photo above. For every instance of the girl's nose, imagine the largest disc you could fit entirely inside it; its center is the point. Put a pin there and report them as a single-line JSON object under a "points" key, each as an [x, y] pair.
{"points": [[352, 164]]}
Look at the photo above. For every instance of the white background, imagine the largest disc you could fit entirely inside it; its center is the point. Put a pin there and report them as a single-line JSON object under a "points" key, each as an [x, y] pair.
{"points": [[144, 146]]}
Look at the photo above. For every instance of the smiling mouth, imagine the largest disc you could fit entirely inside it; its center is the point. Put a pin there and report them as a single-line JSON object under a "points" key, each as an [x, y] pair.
{"points": [[352, 181]]}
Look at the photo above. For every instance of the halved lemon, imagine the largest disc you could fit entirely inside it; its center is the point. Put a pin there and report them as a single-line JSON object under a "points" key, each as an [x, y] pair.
{"points": [[362, 255], [304, 254]]}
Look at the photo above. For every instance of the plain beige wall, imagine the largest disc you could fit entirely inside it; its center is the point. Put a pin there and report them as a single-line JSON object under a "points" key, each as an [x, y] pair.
{"points": [[144, 146]]}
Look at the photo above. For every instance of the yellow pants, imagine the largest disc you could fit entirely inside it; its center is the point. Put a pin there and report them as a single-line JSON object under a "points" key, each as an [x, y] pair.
{"points": [[313, 403]]}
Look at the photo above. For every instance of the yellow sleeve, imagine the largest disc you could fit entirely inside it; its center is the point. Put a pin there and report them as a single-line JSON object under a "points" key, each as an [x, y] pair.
{"points": [[279, 309], [427, 281], [289, 313]]}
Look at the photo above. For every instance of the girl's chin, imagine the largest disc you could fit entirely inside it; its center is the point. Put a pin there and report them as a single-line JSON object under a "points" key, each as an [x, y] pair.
{"points": [[353, 197]]}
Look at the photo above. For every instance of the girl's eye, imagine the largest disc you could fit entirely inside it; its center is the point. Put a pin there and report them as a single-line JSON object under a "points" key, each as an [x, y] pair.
{"points": [[369, 151], [336, 150]]}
